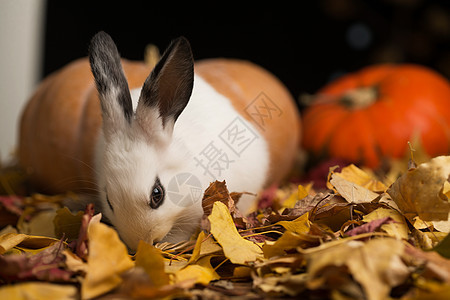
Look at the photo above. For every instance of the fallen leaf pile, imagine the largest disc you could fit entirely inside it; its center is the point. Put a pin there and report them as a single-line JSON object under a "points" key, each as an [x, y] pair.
{"points": [[362, 238]]}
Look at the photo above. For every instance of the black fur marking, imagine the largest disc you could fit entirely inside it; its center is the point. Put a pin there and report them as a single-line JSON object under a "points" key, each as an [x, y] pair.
{"points": [[108, 73], [169, 85], [109, 203]]}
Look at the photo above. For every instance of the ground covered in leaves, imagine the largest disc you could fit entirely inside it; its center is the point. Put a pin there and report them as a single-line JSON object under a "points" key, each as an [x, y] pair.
{"points": [[362, 237]]}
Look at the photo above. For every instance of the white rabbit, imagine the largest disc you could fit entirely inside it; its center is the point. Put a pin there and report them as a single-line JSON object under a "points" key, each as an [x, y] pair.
{"points": [[162, 145]]}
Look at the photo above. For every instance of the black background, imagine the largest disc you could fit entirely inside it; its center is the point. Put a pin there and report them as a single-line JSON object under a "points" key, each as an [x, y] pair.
{"points": [[305, 44]]}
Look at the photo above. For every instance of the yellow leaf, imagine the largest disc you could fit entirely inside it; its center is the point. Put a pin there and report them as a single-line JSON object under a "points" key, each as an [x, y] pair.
{"points": [[376, 264], [354, 174], [67, 224], [205, 245], [289, 240], [74, 262], [419, 190], [299, 225], [107, 259], [38, 291], [350, 191], [10, 240], [301, 193], [398, 229], [202, 272], [152, 261], [236, 248], [40, 224], [288, 284]]}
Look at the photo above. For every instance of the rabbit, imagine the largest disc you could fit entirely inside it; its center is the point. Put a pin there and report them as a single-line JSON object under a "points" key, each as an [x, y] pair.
{"points": [[158, 147]]}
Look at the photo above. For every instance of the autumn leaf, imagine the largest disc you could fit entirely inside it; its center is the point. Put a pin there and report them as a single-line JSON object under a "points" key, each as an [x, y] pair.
{"points": [[10, 240], [369, 227], [286, 284], [38, 291], [419, 190], [299, 225], [361, 177], [151, 260], [217, 191], [47, 265], [205, 245], [376, 265], [201, 272], [67, 224], [352, 192], [107, 260], [235, 247], [398, 228]]}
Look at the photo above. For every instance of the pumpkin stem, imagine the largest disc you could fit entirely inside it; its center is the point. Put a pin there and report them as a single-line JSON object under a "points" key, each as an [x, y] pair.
{"points": [[359, 98]]}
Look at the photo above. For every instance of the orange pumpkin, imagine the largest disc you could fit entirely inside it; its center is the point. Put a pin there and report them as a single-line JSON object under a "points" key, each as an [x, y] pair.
{"points": [[366, 116], [60, 124]]}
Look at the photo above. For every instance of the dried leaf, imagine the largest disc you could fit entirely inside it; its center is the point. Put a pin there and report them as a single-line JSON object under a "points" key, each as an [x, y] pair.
{"points": [[39, 224], [236, 248], [74, 263], [107, 260], [443, 248], [287, 284], [433, 265], [217, 191], [288, 241], [299, 225], [201, 272], [363, 178], [151, 260], [397, 229], [10, 240], [45, 265], [38, 291], [369, 227], [67, 224], [352, 192], [419, 190], [205, 245], [376, 265], [137, 285]]}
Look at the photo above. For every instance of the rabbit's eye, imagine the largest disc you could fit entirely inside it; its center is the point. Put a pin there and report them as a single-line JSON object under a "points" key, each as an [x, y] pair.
{"points": [[157, 196]]}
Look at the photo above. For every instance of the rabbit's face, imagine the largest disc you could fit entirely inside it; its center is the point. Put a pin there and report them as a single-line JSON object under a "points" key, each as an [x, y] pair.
{"points": [[135, 177], [135, 154]]}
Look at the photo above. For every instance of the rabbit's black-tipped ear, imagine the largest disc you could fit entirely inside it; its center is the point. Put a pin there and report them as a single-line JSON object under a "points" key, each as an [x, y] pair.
{"points": [[110, 79], [169, 86]]}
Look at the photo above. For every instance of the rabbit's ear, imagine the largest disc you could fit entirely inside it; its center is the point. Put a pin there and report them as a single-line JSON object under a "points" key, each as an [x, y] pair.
{"points": [[112, 86], [168, 87]]}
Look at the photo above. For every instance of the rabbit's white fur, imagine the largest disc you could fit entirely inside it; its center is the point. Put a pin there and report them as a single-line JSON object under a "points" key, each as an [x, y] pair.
{"points": [[128, 163]]}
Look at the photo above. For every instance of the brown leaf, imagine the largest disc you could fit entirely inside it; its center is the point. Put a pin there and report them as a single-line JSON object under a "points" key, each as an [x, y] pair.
{"points": [[419, 190], [376, 264], [38, 291], [47, 265], [369, 227], [218, 191]]}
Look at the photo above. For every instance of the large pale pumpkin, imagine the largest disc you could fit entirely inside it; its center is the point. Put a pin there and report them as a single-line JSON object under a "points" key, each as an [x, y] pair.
{"points": [[371, 114], [60, 125]]}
